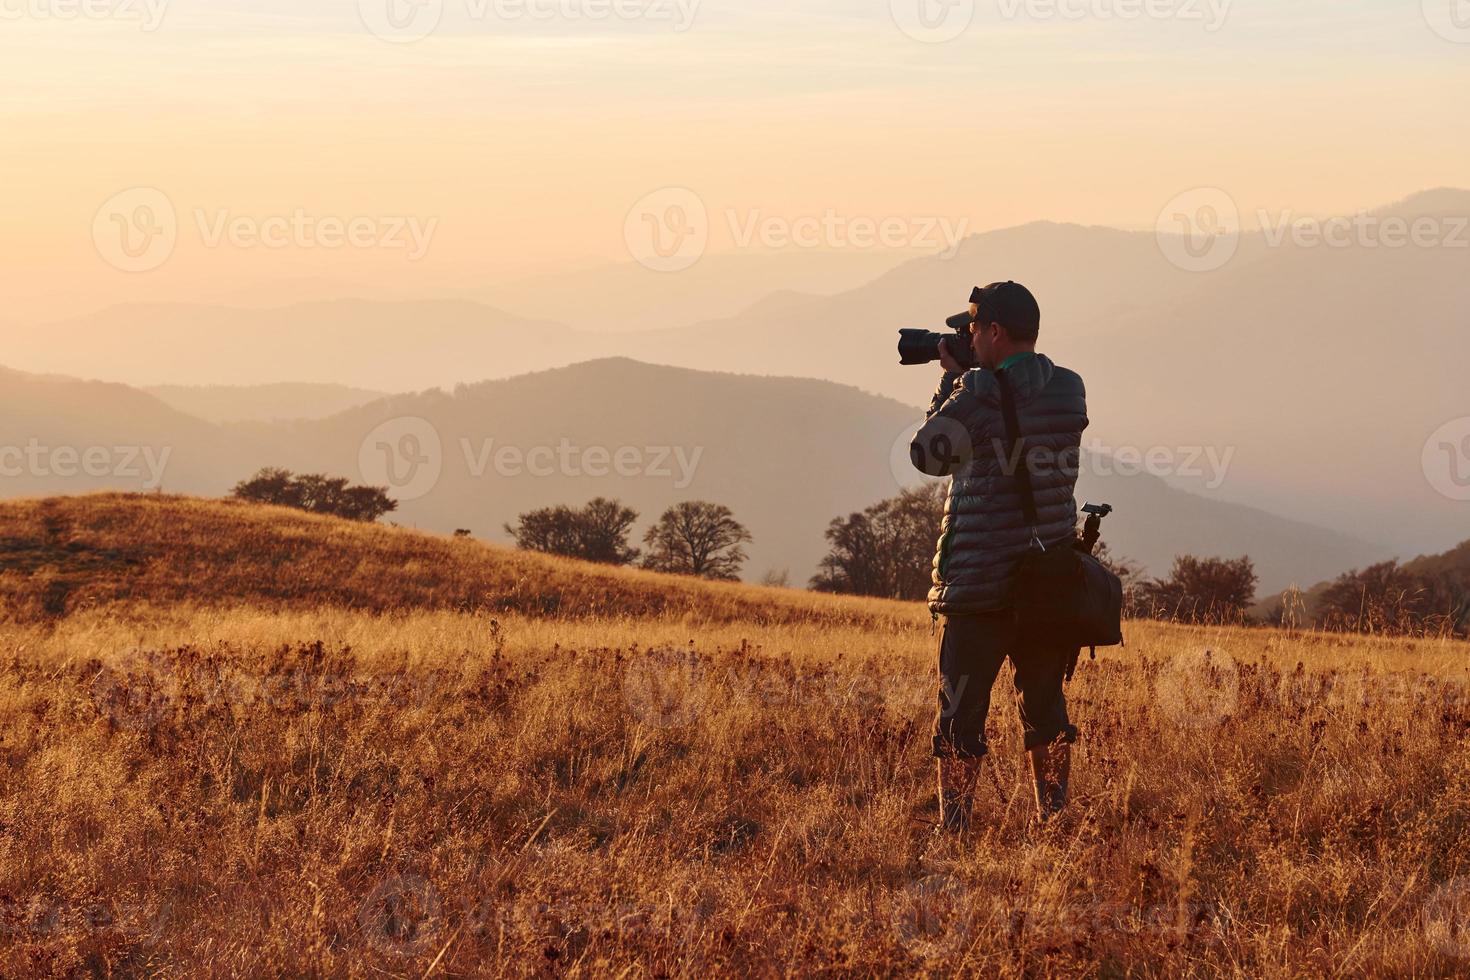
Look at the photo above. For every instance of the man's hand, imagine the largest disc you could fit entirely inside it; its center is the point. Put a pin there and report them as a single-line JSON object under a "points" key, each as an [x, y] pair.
{"points": [[946, 359]]}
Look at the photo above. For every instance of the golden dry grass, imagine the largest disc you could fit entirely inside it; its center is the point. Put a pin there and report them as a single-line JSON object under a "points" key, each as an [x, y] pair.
{"points": [[232, 774]]}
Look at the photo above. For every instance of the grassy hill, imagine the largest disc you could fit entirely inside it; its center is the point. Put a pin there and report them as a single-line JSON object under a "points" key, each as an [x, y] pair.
{"points": [[242, 741], [63, 554]]}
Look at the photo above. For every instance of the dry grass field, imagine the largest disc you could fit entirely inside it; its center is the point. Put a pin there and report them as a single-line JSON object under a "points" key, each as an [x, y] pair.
{"points": [[244, 741]]}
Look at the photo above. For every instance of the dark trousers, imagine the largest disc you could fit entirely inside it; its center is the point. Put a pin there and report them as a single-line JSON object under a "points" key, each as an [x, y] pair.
{"points": [[971, 650]]}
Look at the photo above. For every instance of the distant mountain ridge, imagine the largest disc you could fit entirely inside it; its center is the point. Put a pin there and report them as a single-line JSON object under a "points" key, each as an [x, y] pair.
{"points": [[787, 454], [282, 402], [1323, 371]]}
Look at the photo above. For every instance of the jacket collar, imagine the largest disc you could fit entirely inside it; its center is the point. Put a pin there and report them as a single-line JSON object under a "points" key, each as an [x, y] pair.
{"points": [[1028, 377]]}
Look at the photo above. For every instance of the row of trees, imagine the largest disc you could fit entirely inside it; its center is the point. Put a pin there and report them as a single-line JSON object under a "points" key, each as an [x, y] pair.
{"points": [[691, 538], [887, 551], [1387, 598]]}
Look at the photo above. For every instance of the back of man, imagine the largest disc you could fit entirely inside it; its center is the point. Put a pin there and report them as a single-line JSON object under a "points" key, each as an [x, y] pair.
{"points": [[985, 534]]}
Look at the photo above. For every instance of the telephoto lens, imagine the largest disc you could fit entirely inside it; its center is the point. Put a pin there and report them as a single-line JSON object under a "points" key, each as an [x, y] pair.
{"points": [[917, 346]]}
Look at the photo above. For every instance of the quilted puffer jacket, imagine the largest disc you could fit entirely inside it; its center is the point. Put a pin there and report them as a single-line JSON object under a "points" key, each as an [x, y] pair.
{"points": [[985, 532]]}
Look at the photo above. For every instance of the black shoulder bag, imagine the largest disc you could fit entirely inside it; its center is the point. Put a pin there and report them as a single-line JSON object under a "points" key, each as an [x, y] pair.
{"points": [[1061, 594]]}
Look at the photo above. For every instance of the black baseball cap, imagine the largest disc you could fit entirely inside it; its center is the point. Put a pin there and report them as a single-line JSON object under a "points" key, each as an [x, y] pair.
{"points": [[1011, 305]]}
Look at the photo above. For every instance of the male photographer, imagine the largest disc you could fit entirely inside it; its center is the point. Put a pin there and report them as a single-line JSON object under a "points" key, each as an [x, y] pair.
{"points": [[985, 535]]}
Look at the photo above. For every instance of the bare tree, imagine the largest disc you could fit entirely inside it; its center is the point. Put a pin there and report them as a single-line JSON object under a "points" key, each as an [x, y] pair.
{"points": [[597, 532], [888, 549], [697, 538], [1201, 590]]}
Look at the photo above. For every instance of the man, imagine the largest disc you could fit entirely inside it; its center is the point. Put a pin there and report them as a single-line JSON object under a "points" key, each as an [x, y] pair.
{"points": [[985, 535]]}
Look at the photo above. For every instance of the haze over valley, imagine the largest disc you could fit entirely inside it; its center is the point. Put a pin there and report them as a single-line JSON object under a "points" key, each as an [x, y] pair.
{"points": [[1365, 346]]}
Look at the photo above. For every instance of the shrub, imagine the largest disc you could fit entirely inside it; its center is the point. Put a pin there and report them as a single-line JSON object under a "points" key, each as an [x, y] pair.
{"points": [[317, 494]]}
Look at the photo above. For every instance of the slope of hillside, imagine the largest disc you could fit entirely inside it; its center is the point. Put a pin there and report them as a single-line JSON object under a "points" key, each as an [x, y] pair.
{"points": [[209, 770], [62, 435], [1451, 567], [262, 403], [59, 555]]}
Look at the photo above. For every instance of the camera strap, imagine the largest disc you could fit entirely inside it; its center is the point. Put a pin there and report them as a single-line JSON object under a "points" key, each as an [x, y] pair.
{"points": [[1015, 446]]}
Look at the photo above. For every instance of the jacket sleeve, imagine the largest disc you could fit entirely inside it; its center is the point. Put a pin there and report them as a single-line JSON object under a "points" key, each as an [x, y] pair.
{"points": [[943, 443]]}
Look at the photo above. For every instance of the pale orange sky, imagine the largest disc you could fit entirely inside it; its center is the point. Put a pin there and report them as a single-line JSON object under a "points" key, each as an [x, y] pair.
{"points": [[525, 143]]}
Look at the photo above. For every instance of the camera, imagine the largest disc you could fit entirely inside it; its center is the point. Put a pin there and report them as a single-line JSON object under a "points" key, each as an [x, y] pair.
{"points": [[922, 346]]}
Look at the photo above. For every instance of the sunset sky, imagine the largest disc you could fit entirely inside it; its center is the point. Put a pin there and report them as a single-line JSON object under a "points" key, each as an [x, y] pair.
{"points": [[524, 142]]}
